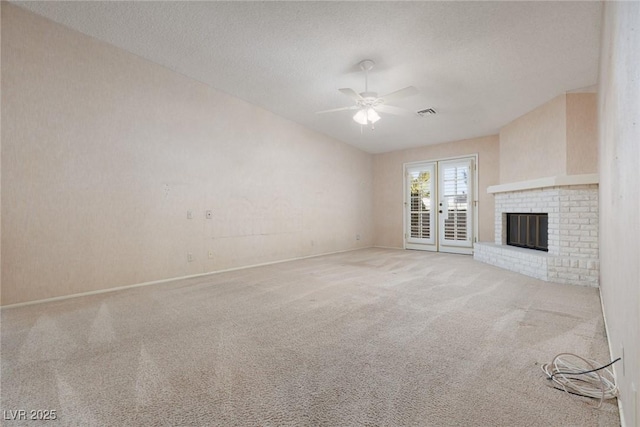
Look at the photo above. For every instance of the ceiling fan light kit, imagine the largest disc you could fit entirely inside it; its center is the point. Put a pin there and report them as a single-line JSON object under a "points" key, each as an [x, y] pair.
{"points": [[361, 117], [368, 104], [366, 116], [372, 116]]}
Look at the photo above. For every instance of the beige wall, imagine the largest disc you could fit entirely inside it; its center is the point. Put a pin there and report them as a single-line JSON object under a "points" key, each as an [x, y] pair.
{"points": [[388, 185], [103, 153], [582, 133], [534, 145], [619, 144], [558, 138]]}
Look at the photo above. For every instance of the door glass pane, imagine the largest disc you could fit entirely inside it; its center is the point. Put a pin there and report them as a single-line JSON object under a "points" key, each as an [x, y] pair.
{"points": [[420, 214], [455, 190]]}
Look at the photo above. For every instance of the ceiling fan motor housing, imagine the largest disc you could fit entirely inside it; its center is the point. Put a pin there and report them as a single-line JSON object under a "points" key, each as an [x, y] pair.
{"points": [[369, 99]]}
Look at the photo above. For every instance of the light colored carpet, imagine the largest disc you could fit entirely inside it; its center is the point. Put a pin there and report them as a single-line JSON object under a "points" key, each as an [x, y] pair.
{"points": [[371, 337]]}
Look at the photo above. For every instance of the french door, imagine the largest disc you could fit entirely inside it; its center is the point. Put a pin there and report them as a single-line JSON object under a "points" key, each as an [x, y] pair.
{"points": [[439, 205]]}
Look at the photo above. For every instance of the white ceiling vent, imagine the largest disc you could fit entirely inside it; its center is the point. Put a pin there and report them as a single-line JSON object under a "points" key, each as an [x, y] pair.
{"points": [[426, 112]]}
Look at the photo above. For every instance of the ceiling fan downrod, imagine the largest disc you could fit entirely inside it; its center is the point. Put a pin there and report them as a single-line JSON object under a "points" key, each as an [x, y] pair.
{"points": [[366, 65]]}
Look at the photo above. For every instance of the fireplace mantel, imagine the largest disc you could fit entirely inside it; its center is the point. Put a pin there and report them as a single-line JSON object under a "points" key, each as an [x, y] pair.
{"points": [[551, 181]]}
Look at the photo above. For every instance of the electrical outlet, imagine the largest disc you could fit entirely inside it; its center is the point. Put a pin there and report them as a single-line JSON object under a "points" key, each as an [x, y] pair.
{"points": [[190, 257], [208, 214], [189, 214], [357, 237], [210, 254]]}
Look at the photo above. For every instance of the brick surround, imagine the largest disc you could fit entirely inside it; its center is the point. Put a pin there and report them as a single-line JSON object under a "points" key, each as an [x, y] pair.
{"points": [[573, 234]]}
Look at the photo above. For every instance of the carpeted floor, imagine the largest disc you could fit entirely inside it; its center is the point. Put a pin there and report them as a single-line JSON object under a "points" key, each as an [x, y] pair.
{"points": [[370, 337]]}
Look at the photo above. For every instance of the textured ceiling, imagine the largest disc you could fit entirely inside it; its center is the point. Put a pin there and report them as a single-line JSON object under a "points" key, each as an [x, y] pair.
{"points": [[478, 64]]}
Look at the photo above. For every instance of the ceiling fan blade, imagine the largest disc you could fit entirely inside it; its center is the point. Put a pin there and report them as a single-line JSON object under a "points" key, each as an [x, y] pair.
{"points": [[394, 110], [337, 109], [351, 94], [402, 93]]}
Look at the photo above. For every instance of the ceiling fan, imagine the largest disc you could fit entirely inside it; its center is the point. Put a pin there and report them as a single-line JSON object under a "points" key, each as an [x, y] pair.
{"points": [[368, 104]]}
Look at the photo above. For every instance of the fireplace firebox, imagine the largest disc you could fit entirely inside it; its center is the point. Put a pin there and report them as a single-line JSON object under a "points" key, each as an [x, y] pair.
{"points": [[528, 230]]}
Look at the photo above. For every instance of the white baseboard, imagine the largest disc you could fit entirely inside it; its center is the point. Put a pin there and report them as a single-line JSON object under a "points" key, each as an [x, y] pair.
{"points": [[611, 357], [172, 279]]}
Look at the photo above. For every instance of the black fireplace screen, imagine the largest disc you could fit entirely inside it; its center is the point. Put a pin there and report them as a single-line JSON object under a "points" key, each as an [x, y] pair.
{"points": [[528, 230]]}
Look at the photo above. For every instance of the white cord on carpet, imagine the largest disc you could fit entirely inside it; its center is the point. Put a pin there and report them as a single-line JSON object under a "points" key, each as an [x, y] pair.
{"points": [[596, 381]]}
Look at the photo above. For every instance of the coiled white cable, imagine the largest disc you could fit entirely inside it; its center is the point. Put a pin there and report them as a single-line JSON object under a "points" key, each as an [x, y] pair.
{"points": [[595, 382]]}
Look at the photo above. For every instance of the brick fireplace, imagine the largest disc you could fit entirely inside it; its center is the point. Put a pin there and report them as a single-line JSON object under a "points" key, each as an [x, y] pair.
{"points": [[571, 207]]}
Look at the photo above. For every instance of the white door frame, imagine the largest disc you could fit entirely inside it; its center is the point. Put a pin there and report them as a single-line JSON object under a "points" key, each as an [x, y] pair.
{"points": [[436, 197]]}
